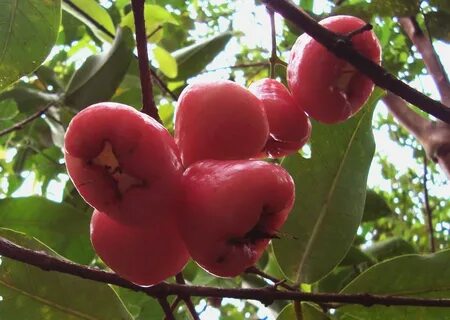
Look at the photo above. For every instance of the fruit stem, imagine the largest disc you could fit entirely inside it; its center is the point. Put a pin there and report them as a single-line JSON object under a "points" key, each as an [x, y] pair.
{"points": [[148, 103], [273, 57], [364, 28], [298, 310]]}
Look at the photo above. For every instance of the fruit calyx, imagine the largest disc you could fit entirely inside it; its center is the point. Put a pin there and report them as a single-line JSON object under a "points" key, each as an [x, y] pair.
{"points": [[108, 161]]}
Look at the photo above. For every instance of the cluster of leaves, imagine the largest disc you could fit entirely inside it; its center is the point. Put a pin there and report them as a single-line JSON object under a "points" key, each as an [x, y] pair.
{"points": [[339, 238]]}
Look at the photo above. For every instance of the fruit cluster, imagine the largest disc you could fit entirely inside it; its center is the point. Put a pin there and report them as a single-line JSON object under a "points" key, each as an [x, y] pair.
{"points": [[204, 194]]}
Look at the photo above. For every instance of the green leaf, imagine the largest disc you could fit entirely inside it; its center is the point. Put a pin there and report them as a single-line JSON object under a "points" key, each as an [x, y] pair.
{"points": [[166, 63], [307, 4], [390, 248], [100, 75], [28, 99], [375, 207], [441, 5], [62, 227], [397, 8], [337, 279], [82, 9], [325, 218], [438, 24], [8, 109], [28, 31], [356, 257], [409, 275], [194, 58], [155, 16], [309, 312], [140, 305], [33, 294]]}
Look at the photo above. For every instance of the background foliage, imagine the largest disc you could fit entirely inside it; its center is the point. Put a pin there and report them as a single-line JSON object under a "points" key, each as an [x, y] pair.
{"points": [[338, 238]]}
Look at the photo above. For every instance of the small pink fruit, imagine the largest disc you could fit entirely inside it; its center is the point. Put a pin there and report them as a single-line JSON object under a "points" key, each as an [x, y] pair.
{"points": [[289, 126], [329, 89], [219, 120], [145, 255], [123, 163], [233, 209]]}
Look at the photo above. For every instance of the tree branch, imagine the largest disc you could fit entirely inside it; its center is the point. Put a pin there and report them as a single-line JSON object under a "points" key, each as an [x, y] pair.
{"points": [[427, 209], [342, 49], [19, 125], [429, 56], [148, 104], [412, 121], [162, 290], [167, 309], [187, 299]]}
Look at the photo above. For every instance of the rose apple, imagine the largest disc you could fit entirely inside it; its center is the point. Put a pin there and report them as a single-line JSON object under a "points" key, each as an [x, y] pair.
{"points": [[330, 89], [219, 120], [123, 162], [233, 209], [145, 255], [289, 126]]}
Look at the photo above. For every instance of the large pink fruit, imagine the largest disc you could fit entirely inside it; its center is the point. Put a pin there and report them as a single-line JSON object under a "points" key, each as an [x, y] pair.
{"points": [[233, 209], [289, 126], [123, 162], [219, 120], [329, 89], [145, 255]]}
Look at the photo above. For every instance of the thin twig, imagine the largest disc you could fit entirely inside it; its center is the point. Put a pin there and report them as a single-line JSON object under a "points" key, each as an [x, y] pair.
{"points": [[19, 125], [266, 295], [187, 299], [298, 310], [148, 104], [175, 304], [254, 270], [166, 307], [342, 49], [273, 56], [429, 56], [428, 210]]}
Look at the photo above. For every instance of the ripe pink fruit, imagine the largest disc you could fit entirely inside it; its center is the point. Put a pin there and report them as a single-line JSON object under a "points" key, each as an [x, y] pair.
{"points": [[233, 209], [219, 120], [329, 89], [123, 162], [289, 126], [145, 255]]}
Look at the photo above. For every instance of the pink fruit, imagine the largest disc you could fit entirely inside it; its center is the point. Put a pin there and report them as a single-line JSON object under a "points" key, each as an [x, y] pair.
{"points": [[145, 255], [329, 89], [233, 209], [289, 126], [219, 120], [123, 163]]}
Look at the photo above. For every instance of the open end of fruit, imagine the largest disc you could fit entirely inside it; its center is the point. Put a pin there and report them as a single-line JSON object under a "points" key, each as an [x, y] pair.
{"points": [[258, 232], [346, 74], [109, 162]]}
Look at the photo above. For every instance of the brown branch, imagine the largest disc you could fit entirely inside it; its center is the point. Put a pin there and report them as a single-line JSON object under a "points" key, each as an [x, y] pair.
{"points": [[343, 49], [273, 56], [429, 56], [277, 282], [166, 308], [265, 295], [412, 121], [19, 125], [428, 210], [187, 299], [148, 104]]}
